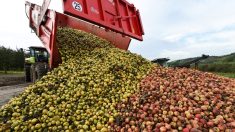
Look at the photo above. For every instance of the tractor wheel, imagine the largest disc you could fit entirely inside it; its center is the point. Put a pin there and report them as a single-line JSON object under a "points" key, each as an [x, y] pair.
{"points": [[32, 73], [39, 70], [27, 73]]}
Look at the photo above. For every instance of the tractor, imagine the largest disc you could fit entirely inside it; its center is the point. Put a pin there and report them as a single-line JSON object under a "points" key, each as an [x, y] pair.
{"points": [[36, 63]]}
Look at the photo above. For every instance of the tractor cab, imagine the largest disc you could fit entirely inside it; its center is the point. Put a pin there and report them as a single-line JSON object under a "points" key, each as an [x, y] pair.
{"points": [[36, 54], [36, 63]]}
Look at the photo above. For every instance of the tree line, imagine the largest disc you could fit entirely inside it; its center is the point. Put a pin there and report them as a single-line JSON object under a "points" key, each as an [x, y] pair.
{"points": [[11, 59]]}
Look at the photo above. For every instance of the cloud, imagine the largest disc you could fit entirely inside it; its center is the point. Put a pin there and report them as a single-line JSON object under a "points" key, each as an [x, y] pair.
{"points": [[17, 40], [173, 38], [211, 43], [186, 28], [176, 54], [175, 29]]}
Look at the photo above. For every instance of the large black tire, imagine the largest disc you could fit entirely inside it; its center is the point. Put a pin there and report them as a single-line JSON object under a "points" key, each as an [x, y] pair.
{"points": [[38, 71], [27, 73]]}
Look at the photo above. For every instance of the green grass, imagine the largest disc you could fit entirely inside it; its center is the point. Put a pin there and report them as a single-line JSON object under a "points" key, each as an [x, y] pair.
{"points": [[218, 67], [12, 72], [230, 75]]}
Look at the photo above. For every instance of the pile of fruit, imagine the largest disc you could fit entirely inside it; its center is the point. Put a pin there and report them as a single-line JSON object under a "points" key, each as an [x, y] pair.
{"points": [[179, 100], [101, 88], [81, 94]]}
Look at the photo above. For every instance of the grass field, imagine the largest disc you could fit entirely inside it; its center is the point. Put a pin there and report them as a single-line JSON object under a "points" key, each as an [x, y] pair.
{"points": [[230, 75], [12, 72]]}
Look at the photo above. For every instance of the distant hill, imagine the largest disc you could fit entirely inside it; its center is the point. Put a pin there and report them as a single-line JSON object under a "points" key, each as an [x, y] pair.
{"points": [[225, 63], [186, 62], [220, 59]]}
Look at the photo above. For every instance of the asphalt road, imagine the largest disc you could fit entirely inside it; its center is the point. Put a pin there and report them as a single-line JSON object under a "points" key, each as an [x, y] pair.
{"points": [[8, 92]]}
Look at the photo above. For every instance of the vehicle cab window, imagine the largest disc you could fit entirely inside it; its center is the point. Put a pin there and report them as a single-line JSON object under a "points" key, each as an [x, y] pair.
{"points": [[41, 55]]}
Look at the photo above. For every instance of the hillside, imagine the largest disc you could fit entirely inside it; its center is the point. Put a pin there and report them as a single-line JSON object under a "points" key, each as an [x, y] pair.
{"points": [[184, 62], [218, 64], [220, 59]]}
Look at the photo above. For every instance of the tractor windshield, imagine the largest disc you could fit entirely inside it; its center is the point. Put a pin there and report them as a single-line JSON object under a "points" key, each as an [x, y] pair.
{"points": [[40, 54]]}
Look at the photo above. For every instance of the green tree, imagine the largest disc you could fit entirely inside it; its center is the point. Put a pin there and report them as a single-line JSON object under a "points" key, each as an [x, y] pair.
{"points": [[11, 59], [18, 59], [5, 58]]}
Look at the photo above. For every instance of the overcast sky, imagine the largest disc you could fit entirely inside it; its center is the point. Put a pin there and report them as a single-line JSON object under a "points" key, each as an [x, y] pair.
{"points": [[173, 28]]}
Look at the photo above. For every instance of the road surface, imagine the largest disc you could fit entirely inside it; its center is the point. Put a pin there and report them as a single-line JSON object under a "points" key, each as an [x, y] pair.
{"points": [[11, 79], [8, 92]]}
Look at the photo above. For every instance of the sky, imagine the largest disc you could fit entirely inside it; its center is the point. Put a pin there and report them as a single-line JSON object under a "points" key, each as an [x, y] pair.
{"points": [[176, 29]]}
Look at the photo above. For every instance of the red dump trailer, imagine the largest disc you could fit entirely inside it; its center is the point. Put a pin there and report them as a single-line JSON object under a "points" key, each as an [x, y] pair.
{"points": [[114, 20]]}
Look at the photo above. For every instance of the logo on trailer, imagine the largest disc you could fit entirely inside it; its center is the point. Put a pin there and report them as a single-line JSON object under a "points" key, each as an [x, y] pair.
{"points": [[77, 6]]}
